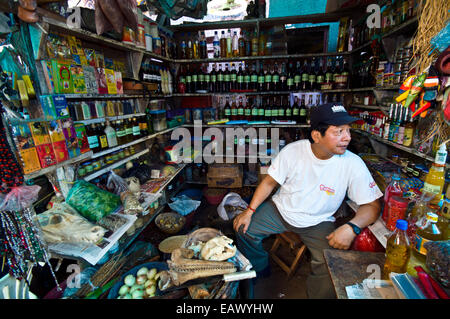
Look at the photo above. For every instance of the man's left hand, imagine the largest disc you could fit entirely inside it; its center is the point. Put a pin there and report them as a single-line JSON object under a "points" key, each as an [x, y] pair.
{"points": [[342, 237]]}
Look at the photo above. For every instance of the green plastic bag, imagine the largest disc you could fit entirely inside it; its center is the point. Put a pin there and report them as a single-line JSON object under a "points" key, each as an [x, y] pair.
{"points": [[92, 202]]}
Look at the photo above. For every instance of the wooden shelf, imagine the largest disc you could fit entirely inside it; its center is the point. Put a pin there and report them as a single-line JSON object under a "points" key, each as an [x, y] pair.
{"points": [[113, 166], [52, 168], [262, 57], [398, 146]]}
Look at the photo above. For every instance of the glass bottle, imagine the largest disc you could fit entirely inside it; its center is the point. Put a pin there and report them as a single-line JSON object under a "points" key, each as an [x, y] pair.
{"points": [[261, 78], [227, 109], [255, 110], [240, 110], [267, 111], [254, 79], [312, 75], [229, 44], [213, 80], [435, 179], [93, 140], [216, 45], [288, 110], [148, 118], [235, 45], [274, 110], [302, 112], [255, 43], [223, 45], [320, 76], [262, 43], [188, 80], [241, 45], [110, 135], [220, 80], [398, 250], [233, 78], [296, 110], [135, 128], [283, 77], [409, 129], [234, 110], [268, 79], [247, 79], [261, 110], [203, 49], [298, 77], [240, 78], [305, 76], [226, 79], [290, 78], [248, 110], [275, 78], [102, 136]]}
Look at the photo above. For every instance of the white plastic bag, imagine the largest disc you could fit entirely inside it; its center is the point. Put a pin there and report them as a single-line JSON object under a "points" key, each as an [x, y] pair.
{"points": [[231, 199]]}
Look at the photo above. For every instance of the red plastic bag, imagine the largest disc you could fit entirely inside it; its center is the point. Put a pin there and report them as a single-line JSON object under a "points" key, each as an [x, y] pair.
{"points": [[366, 241]]}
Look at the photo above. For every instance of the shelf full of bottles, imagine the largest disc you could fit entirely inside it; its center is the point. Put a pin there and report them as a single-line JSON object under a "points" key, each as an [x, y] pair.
{"points": [[313, 75]]}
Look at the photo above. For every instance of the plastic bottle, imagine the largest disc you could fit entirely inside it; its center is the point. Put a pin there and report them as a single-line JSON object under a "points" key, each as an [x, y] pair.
{"points": [[427, 230], [435, 179], [393, 189], [229, 47], [398, 250]]}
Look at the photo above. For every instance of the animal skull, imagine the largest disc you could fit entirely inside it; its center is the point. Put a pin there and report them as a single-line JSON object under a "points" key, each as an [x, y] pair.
{"points": [[61, 224], [218, 249]]}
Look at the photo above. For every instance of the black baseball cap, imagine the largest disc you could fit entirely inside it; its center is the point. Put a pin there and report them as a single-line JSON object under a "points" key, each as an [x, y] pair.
{"points": [[330, 113]]}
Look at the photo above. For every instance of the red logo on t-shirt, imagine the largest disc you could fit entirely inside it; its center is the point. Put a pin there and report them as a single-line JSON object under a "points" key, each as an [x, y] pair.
{"points": [[327, 190], [372, 185]]}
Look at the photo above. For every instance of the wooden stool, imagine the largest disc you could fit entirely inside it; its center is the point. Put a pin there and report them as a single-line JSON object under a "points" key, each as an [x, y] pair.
{"points": [[295, 245]]}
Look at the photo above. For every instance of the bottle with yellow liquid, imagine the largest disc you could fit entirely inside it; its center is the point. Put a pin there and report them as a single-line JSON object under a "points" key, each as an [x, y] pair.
{"points": [[435, 179], [427, 230], [398, 250]]}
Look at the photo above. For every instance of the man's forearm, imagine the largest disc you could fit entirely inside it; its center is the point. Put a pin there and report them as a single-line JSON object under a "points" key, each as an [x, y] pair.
{"points": [[367, 214], [263, 191]]}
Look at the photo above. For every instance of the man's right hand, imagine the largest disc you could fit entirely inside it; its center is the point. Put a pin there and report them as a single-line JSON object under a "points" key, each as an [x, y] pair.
{"points": [[243, 219]]}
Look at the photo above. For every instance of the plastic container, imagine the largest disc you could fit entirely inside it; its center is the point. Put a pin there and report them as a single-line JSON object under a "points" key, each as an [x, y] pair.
{"points": [[398, 250], [397, 207], [159, 120], [393, 189], [427, 230]]}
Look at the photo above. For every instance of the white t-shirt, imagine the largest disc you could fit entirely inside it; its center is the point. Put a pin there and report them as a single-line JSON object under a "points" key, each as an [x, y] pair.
{"points": [[313, 189]]}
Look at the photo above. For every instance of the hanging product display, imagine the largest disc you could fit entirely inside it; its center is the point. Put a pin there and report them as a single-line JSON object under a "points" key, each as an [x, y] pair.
{"points": [[20, 237]]}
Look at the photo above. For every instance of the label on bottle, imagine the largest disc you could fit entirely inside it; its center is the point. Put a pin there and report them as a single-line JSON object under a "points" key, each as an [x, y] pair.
{"points": [[99, 109], [240, 79], [419, 244], [275, 78], [320, 79], [201, 78], [194, 78], [248, 112], [261, 112], [182, 79], [254, 111], [111, 137], [234, 112], [281, 112], [246, 78], [290, 82], [207, 78], [295, 111], [226, 77], [297, 79], [254, 78], [129, 131], [305, 77], [288, 112], [220, 77], [261, 79], [120, 133], [268, 113], [302, 112], [312, 78], [328, 77], [233, 77], [86, 110], [240, 111], [213, 78], [227, 112], [188, 79], [430, 188], [93, 142], [268, 78], [103, 141], [275, 112], [136, 130]]}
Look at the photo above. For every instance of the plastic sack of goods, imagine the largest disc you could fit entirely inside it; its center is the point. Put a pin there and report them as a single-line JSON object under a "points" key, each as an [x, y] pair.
{"points": [[92, 202]]}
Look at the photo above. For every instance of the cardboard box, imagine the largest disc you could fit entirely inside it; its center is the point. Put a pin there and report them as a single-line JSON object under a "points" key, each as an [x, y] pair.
{"points": [[225, 175]]}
